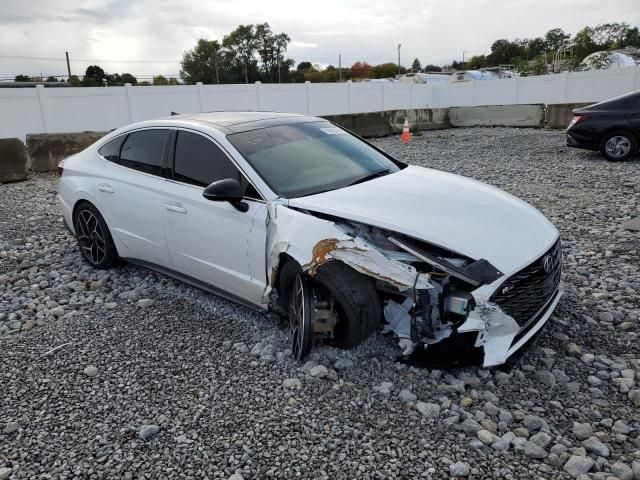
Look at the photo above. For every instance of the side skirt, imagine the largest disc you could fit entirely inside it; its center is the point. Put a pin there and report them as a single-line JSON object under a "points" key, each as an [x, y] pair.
{"points": [[194, 282]]}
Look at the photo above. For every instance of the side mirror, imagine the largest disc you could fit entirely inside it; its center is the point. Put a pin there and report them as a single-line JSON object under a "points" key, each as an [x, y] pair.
{"points": [[227, 190]]}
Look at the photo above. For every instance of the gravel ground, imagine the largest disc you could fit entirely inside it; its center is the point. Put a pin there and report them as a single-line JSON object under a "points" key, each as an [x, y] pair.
{"points": [[127, 374]]}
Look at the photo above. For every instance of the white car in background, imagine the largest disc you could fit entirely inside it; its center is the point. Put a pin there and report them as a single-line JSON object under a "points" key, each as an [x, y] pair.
{"points": [[298, 216]]}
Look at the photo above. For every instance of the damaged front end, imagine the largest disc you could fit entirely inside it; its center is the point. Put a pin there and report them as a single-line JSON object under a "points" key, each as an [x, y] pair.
{"points": [[436, 301]]}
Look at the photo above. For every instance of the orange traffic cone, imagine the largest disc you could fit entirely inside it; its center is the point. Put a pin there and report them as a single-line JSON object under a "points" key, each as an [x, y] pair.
{"points": [[405, 137]]}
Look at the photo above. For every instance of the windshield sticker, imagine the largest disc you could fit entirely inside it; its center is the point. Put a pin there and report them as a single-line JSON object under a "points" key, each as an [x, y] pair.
{"points": [[333, 131]]}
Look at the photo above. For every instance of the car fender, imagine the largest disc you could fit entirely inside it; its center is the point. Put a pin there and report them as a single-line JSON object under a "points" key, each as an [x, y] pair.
{"points": [[312, 241]]}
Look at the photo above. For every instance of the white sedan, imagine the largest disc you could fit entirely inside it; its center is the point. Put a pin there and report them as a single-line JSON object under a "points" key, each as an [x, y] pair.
{"points": [[298, 216]]}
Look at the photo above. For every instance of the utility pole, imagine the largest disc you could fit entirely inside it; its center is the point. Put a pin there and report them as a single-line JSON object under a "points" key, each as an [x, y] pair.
{"points": [[463, 52], [278, 62], [340, 67], [68, 66], [399, 45], [215, 65]]}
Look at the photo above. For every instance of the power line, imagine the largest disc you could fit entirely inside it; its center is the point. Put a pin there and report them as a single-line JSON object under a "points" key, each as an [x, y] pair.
{"points": [[56, 59]]}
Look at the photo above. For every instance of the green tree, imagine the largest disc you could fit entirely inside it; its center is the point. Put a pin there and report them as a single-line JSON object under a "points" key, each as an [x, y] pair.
{"points": [[22, 78], [271, 49], [128, 78], [416, 65], [432, 68], [531, 67], [583, 43], [330, 74], [75, 81], [94, 76], [384, 70], [302, 66], [535, 47], [477, 61], [556, 39], [505, 51], [200, 63], [160, 80], [51, 78], [631, 38], [118, 80], [242, 45]]}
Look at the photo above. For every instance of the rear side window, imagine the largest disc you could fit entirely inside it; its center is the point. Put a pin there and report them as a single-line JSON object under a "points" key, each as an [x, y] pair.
{"points": [[200, 162], [143, 151], [111, 149]]}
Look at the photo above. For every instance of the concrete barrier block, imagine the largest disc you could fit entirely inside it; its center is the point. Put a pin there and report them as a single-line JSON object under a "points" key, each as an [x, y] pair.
{"points": [[13, 160], [419, 119], [45, 150], [345, 121], [371, 124], [497, 116], [559, 115]]}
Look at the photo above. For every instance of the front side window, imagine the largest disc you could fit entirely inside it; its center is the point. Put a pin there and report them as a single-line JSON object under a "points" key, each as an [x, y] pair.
{"points": [[111, 149], [143, 151], [200, 162], [306, 158]]}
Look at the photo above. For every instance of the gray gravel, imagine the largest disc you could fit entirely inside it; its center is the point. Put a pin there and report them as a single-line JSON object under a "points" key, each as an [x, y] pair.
{"points": [[127, 374]]}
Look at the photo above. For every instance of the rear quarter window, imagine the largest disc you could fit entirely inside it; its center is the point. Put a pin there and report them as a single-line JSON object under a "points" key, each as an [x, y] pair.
{"points": [[111, 149]]}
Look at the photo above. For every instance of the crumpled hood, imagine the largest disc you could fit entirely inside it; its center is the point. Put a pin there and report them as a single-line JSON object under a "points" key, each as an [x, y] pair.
{"points": [[448, 210]]}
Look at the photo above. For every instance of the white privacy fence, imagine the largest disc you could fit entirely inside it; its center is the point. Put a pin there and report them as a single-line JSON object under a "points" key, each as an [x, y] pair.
{"points": [[60, 110]]}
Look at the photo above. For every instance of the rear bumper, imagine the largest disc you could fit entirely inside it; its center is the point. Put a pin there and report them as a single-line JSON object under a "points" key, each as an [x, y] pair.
{"points": [[66, 214], [579, 140]]}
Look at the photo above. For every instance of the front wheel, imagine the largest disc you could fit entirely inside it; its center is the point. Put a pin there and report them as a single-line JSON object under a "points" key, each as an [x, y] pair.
{"points": [[618, 146], [301, 316], [94, 238]]}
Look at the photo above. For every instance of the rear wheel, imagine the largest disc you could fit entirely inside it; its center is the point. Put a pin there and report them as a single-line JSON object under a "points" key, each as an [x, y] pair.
{"points": [[94, 238], [618, 146]]}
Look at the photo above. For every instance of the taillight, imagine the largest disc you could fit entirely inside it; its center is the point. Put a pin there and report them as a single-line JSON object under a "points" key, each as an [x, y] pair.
{"points": [[61, 167], [577, 119]]}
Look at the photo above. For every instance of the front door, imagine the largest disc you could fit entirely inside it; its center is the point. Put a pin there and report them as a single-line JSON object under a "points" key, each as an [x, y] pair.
{"points": [[213, 241]]}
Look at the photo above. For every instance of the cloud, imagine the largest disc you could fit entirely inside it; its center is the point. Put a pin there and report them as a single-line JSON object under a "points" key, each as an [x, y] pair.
{"points": [[119, 32]]}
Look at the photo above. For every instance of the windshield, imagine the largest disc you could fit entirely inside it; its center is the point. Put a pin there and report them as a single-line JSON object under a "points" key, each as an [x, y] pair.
{"points": [[306, 158]]}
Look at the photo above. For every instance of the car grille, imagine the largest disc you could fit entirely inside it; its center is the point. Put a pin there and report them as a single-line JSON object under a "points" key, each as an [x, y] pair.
{"points": [[523, 294]]}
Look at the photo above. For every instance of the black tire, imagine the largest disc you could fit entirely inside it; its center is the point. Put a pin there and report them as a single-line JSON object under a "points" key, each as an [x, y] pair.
{"points": [[93, 236], [618, 146], [357, 302]]}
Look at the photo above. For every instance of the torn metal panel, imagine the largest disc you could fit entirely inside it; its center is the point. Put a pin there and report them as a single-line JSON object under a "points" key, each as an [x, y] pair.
{"points": [[312, 241]]}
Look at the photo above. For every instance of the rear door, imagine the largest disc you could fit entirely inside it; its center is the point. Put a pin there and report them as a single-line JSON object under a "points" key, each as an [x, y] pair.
{"points": [[213, 241], [131, 194]]}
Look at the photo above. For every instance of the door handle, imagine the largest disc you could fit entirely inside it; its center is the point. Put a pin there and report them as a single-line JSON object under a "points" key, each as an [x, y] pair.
{"points": [[104, 187], [175, 207]]}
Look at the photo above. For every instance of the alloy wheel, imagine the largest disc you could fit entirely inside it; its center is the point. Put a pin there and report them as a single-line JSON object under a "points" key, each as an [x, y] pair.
{"points": [[91, 237], [618, 146], [300, 318]]}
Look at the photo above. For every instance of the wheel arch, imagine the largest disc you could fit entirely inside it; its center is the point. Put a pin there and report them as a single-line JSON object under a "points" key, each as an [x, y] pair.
{"points": [[618, 128], [82, 199]]}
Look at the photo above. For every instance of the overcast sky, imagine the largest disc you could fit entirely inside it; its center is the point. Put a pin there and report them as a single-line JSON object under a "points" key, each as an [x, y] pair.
{"points": [[118, 34]]}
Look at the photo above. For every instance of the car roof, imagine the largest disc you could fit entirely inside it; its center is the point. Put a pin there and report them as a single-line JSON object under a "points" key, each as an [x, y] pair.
{"points": [[234, 122], [628, 101]]}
